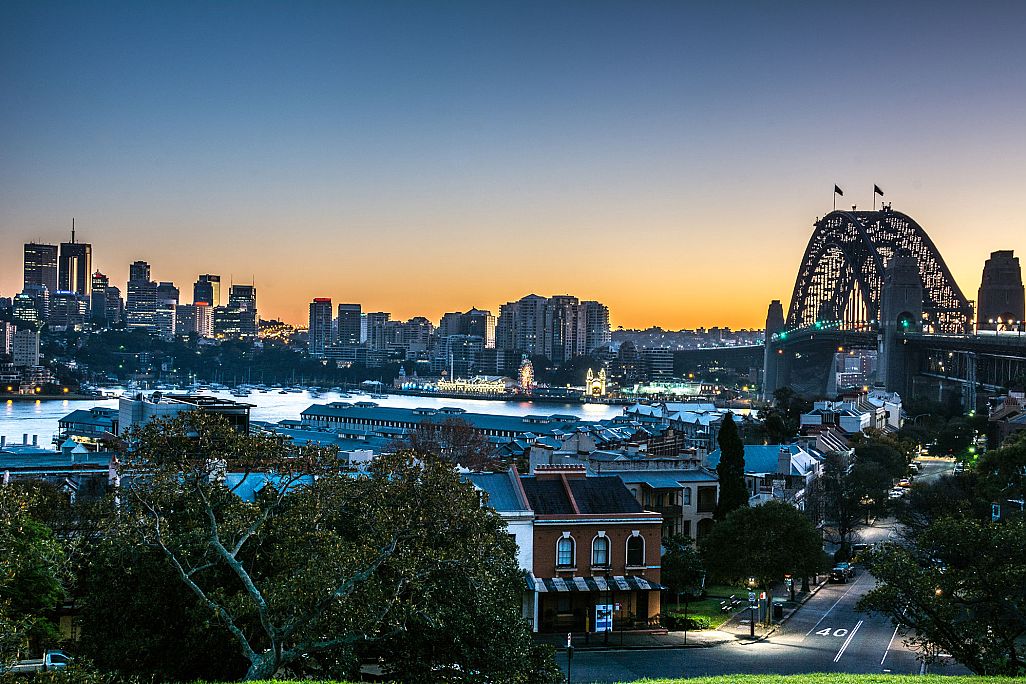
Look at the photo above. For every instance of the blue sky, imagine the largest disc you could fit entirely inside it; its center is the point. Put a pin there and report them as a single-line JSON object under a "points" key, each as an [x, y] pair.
{"points": [[425, 157]]}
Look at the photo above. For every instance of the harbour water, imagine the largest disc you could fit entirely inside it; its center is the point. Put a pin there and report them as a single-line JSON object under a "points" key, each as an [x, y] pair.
{"points": [[18, 418]]}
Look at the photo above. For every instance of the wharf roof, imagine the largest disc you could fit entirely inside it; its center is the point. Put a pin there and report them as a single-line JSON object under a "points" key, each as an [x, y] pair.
{"points": [[608, 495], [539, 425]]}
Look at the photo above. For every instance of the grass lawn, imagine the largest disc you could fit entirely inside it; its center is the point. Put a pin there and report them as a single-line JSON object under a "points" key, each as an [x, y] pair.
{"points": [[834, 678], [709, 608]]}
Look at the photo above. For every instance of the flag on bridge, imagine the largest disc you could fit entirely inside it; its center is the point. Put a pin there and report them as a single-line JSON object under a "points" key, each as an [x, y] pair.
{"points": [[877, 190], [838, 191]]}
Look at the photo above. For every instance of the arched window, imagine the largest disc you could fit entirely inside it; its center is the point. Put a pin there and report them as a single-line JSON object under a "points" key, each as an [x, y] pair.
{"points": [[635, 551], [565, 552], [600, 552], [687, 496]]}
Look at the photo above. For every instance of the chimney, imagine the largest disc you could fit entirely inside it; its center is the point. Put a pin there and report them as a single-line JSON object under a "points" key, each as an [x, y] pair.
{"points": [[3, 442], [35, 440], [784, 461], [24, 439]]}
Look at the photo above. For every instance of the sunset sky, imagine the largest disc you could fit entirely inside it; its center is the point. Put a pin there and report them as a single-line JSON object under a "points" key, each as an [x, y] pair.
{"points": [[667, 159]]}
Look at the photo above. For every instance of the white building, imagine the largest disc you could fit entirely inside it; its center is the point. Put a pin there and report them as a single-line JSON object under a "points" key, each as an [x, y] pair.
{"points": [[25, 347]]}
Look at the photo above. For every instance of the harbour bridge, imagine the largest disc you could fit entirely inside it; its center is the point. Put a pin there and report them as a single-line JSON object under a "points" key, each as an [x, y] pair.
{"points": [[874, 280]]}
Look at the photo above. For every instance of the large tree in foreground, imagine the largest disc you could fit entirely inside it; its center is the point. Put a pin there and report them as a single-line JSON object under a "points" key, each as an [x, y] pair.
{"points": [[960, 586], [763, 543], [730, 469], [306, 567]]}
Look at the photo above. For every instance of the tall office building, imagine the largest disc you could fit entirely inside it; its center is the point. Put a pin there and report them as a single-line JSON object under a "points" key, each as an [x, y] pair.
{"points": [[194, 318], [40, 295], [167, 293], [41, 265], [75, 266], [141, 307], [207, 288], [239, 319], [25, 309], [349, 316], [320, 326], [98, 299]]}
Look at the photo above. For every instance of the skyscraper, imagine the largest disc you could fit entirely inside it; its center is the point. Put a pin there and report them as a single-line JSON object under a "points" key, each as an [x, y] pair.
{"points": [[141, 307], [349, 324], [98, 299], [596, 325], [207, 288], [41, 265], [75, 266], [320, 326]]}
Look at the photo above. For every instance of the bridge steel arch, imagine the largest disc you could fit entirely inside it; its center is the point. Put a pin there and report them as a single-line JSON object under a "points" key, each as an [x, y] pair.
{"points": [[841, 275]]}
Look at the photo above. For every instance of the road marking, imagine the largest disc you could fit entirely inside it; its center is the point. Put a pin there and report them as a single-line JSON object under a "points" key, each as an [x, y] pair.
{"points": [[847, 641], [888, 649], [859, 579]]}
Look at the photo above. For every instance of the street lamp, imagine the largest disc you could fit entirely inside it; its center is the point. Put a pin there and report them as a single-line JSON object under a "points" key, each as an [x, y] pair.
{"points": [[751, 605]]}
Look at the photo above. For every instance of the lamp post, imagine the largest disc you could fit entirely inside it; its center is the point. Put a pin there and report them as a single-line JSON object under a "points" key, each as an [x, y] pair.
{"points": [[751, 606]]}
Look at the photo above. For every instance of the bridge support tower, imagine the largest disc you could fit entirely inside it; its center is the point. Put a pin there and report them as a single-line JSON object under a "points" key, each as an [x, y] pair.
{"points": [[901, 311]]}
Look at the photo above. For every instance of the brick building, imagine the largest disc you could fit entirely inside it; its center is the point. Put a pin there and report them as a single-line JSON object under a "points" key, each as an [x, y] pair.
{"points": [[594, 546]]}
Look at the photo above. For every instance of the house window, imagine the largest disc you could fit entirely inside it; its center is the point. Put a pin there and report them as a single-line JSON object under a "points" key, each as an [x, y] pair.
{"points": [[600, 552], [565, 552], [687, 496], [635, 551]]}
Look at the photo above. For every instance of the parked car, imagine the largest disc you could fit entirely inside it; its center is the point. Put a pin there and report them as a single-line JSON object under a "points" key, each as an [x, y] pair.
{"points": [[842, 572], [51, 660]]}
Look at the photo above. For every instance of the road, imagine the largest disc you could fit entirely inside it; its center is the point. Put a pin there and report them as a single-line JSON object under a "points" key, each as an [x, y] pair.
{"points": [[826, 635]]}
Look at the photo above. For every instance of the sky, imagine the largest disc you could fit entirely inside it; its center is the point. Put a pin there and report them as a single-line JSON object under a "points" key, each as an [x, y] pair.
{"points": [[666, 158]]}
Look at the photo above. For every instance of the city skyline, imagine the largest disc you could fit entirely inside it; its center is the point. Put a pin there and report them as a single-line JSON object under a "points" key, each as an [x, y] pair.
{"points": [[665, 160]]}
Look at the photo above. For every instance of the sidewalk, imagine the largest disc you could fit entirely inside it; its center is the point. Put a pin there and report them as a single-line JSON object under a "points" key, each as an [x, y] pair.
{"points": [[740, 628], [639, 640]]}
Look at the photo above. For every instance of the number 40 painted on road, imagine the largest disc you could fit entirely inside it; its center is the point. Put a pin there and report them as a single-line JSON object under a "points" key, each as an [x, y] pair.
{"points": [[833, 632]]}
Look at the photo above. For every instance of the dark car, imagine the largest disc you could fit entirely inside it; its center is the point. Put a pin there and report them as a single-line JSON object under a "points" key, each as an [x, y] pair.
{"points": [[842, 572]]}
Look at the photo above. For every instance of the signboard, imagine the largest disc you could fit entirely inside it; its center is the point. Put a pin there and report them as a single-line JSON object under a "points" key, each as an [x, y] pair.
{"points": [[604, 617]]}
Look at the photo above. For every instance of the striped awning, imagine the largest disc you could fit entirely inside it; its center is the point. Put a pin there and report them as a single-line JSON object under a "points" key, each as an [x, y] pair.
{"points": [[597, 583]]}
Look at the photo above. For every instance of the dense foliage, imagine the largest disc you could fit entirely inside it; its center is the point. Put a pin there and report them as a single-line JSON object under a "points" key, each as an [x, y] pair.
{"points": [[730, 470]]}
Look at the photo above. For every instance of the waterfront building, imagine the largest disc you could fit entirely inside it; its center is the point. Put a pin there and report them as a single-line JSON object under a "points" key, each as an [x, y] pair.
{"points": [[75, 266], [6, 337], [595, 383], [320, 336], [139, 409], [207, 289], [495, 385], [349, 324], [40, 265], [25, 347]]}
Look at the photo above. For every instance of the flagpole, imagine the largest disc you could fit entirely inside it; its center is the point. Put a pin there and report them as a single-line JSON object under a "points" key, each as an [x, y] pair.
{"points": [[835, 198], [874, 198]]}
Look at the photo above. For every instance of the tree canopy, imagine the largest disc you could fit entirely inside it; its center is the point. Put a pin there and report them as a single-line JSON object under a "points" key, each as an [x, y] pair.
{"points": [[305, 567], [961, 586], [730, 470], [763, 542]]}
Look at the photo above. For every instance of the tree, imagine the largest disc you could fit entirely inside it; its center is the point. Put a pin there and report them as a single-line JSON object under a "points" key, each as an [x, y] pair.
{"points": [[960, 585], [33, 572], [730, 470], [454, 440], [682, 569], [306, 567], [765, 543]]}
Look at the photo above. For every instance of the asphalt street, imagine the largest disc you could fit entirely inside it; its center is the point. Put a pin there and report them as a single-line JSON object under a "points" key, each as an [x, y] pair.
{"points": [[827, 634]]}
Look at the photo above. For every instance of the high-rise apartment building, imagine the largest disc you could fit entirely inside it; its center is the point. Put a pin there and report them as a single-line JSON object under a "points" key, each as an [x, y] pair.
{"points": [[75, 266], [378, 330], [474, 322], [597, 332], [320, 326], [41, 265], [559, 328], [207, 288], [349, 324]]}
